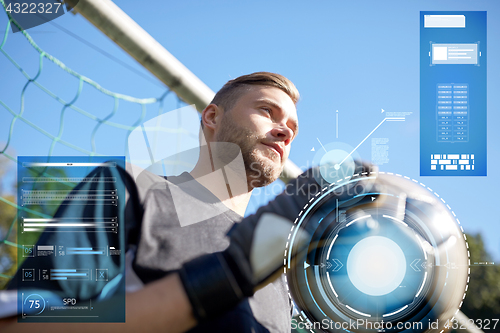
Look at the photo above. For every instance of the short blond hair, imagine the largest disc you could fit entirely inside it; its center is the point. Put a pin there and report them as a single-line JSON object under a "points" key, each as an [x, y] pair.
{"points": [[229, 94]]}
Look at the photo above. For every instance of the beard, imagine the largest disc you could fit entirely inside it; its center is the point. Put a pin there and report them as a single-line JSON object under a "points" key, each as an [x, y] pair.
{"points": [[262, 168]]}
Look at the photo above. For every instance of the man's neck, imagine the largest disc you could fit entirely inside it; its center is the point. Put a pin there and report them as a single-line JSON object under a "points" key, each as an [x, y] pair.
{"points": [[227, 184]]}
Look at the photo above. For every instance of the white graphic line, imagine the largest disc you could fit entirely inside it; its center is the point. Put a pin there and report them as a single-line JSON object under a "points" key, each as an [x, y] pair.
{"points": [[337, 123], [322, 145], [362, 141]]}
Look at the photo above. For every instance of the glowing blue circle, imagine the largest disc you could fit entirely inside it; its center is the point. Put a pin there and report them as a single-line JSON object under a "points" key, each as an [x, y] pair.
{"points": [[34, 304], [376, 265], [336, 164]]}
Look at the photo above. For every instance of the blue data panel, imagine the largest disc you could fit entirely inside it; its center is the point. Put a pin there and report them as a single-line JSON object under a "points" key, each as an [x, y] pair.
{"points": [[453, 93], [71, 236]]}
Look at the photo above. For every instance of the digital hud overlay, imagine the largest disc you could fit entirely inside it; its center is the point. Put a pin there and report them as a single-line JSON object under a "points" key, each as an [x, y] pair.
{"points": [[71, 234], [453, 93]]}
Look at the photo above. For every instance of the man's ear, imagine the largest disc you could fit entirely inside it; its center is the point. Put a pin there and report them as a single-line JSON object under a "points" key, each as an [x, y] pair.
{"points": [[211, 116]]}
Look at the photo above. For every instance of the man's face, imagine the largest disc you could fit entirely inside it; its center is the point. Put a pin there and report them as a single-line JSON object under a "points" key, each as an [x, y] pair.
{"points": [[263, 122]]}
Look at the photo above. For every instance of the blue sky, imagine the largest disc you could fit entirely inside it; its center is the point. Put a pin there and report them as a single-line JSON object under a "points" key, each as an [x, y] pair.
{"points": [[353, 56]]}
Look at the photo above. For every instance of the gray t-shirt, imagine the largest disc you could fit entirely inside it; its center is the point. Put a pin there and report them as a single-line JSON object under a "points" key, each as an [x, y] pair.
{"points": [[163, 245]]}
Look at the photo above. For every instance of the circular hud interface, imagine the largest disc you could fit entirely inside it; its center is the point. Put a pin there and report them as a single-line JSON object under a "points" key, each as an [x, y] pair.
{"points": [[384, 253]]}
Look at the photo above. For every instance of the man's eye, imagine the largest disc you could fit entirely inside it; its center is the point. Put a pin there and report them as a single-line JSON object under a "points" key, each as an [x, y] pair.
{"points": [[268, 110]]}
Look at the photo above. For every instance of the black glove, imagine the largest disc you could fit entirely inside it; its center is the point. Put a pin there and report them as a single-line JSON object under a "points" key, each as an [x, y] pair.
{"points": [[217, 282]]}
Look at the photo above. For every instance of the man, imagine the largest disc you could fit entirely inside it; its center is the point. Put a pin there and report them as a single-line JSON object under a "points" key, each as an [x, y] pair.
{"points": [[257, 112]]}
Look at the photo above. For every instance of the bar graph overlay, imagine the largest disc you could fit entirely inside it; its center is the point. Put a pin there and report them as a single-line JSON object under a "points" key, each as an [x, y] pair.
{"points": [[69, 227]]}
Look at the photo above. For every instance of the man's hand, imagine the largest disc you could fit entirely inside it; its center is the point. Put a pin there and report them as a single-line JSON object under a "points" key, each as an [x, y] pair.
{"points": [[216, 282]]}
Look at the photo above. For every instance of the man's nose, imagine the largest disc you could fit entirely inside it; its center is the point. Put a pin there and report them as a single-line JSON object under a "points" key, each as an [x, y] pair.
{"points": [[283, 133]]}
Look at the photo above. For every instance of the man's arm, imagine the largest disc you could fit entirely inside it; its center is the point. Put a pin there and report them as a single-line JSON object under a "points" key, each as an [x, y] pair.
{"points": [[212, 284], [160, 306]]}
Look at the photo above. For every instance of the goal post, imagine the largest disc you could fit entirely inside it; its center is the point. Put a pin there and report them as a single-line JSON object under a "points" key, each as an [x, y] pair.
{"points": [[138, 43]]}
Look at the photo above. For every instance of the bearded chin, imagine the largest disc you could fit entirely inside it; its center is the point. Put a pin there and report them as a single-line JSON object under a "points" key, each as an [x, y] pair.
{"points": [[259, 171]]}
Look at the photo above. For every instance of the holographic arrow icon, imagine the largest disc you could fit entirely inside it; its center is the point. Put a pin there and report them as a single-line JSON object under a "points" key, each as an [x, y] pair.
{"points": [[414, 265], [337, 265]]}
